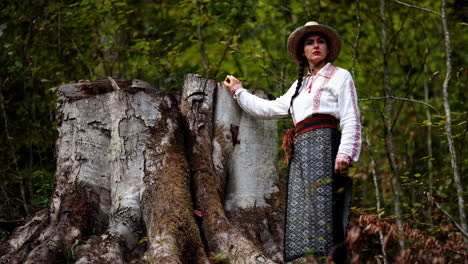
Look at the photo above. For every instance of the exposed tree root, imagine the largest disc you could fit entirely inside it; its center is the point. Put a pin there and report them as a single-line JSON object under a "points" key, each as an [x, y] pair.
{"points": [[106, 248], [21, 241], [44, 239], [173, 234]]}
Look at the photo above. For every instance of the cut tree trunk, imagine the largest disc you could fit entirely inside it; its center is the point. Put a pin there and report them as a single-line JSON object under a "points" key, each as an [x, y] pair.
{"points": [[222, 236], [252, 197], [131, 166]]}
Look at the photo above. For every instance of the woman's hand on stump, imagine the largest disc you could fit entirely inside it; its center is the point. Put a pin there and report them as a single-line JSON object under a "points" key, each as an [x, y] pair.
{"points": [[232, 83]]}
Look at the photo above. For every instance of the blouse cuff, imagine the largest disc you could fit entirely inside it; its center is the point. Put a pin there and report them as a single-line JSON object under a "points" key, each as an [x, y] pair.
{"points": [[236, 88], [344, 157]]}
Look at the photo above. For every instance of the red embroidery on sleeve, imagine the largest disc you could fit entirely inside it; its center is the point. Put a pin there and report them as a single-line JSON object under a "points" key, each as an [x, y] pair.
{"points": [[343, 157], [235, 88], [357, 135]]}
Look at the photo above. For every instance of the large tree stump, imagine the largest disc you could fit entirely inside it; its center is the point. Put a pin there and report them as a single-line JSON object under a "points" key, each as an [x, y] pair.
{"points": [[130, 168], [251, 198]]}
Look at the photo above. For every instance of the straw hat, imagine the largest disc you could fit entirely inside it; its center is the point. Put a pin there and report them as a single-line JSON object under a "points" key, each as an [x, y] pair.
{"points": [[333, 40]]}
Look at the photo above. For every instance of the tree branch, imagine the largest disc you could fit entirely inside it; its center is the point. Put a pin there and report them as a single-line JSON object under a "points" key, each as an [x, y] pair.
{"points": [[462, 147], [429, 129], [79, 52], [417, 7], [12, 151], [431, 200], [230, 39], [377, 192], [451, 218], [399, 98], [203, 54], [388, 113], [356, 41]]}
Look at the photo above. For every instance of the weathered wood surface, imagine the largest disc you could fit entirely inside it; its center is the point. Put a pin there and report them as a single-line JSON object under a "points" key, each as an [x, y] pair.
{"points": [[221, 235], [252, 168], [245, 149], [83, 90], [226, 119], [129, 169]]}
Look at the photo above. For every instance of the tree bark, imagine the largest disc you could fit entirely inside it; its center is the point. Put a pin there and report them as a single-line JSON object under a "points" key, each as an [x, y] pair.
{"points": [[378, 197], [428, 143], [252, 197], [388, 118], [448, 119], [221, 235], [130, 168]]}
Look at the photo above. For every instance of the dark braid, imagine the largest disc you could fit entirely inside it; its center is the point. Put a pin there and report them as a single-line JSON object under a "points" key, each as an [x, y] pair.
{"points": [[300, 76]]}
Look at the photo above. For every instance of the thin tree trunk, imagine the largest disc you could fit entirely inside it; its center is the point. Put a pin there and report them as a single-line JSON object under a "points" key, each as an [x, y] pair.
{"points": [[388, 113], [448, 119], [377, 194], [206, 65], [356, 41], [369, 146], [448, 124], [13, 155], [429, 141], [112, 45]]}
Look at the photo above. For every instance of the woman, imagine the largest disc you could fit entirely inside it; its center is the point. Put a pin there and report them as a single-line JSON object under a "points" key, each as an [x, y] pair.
{"points": [[318, 190]]}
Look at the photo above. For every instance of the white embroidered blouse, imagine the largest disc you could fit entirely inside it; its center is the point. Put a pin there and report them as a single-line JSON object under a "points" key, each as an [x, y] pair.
{"points": [[330, 92]]}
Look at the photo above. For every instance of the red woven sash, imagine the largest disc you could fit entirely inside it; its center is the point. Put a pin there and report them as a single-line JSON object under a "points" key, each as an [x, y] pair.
{"points": [[313, 122]]}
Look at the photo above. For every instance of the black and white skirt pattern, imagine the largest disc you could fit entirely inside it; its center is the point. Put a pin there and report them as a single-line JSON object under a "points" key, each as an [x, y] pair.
{"points": [[317, 199]]}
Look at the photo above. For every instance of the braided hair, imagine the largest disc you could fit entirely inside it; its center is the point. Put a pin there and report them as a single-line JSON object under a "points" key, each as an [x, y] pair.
{"points": [[300, 77]]}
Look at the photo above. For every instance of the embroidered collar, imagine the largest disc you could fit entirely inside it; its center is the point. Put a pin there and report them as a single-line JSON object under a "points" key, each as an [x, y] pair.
{"points": [[323, 71]]}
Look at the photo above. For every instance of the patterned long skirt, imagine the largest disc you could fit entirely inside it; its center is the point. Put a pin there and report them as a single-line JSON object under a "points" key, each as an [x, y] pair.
{"points": [[317, 199]]}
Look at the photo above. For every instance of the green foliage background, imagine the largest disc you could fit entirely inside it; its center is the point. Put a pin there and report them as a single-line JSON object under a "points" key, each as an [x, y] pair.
{"points": [[44, 44]]}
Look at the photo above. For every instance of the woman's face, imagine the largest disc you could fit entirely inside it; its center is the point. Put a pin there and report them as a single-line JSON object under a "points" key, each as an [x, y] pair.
{"points": [[315, 49]]}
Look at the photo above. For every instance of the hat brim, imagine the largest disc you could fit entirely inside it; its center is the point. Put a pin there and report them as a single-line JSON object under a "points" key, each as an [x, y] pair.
{"points": [[295, 46]]}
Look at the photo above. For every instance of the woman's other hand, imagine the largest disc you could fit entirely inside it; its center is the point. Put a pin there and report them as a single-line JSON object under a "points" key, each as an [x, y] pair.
{"points": [[342, 163]]}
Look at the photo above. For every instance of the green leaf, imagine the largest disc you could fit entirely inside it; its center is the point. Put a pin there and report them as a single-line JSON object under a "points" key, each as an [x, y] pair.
{"points": [[309, 253], [221, 256], [143, 240]]}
